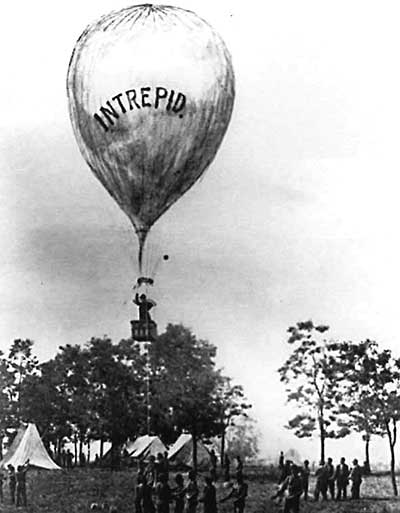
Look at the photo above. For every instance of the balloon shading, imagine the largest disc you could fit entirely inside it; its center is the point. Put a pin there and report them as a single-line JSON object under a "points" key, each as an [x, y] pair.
{"points": [[151, 92]]}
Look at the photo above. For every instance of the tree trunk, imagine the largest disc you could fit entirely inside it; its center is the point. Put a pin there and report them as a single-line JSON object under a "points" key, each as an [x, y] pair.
{"points": [[223, 447], [194, 441], [80, 449], [392, 443], [322, 438], [367, 466], [88, 451], [76, 449], [101, 448]]}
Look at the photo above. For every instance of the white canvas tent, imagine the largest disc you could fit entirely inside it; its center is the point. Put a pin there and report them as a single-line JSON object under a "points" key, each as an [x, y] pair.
{"points": [[145, 446], [27, 445], [181, 453]]}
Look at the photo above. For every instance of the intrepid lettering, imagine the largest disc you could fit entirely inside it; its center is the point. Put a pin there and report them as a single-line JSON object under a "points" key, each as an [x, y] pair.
{"points": [[138, 99]]}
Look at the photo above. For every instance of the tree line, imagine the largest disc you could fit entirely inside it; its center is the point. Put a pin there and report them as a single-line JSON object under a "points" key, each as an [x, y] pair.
{"points": [[342, 387], [98, 391]]}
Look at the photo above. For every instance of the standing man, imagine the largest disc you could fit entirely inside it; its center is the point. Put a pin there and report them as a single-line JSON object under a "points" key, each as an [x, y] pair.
{"points": [[21, 483], [213, 465], [331, 478], [342, 479], [356, 480], [239, 467], [239, 494], [294, 487], [209, 496], [192, 492], [281, 460], [11, 482], [305, 478], [227, 465], [321, 485]]}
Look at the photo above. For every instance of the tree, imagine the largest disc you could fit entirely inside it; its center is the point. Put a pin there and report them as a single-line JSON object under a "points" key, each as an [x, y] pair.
{"points": [[22, 363], [312, 384], [370, 385], [243, 439], [231, 404], [117, 374], [185, 382]]}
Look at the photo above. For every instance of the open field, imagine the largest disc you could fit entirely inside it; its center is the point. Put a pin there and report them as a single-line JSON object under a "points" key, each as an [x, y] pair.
{"points": [[74, 491]]}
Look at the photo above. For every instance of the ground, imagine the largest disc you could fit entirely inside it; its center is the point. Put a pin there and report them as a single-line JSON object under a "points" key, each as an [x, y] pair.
{"points": [[74, 491]]}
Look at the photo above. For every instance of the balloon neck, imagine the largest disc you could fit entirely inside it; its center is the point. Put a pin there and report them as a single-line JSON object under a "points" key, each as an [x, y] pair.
{"points": [[142, 234]]}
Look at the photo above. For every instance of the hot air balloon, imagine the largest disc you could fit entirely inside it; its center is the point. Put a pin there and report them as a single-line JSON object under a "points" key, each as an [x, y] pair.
{"points": [[151, 92]]}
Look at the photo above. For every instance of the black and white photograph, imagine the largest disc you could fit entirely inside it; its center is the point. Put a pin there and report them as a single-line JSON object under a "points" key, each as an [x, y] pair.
{"points": [[199, 265]]}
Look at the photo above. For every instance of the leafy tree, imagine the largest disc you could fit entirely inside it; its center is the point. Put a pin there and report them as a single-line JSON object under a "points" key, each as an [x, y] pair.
{"points": [[312, 384], [243, 439], [370, 383], [22, 363], [116, 375], [185, 381], [231, 405]]}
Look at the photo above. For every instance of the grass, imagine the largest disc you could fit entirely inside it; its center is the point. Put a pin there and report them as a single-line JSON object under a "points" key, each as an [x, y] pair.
{"points": [[74, 491]]}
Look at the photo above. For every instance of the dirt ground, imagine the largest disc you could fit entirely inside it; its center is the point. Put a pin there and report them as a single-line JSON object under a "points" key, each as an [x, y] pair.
{"points": [[74, 491]]}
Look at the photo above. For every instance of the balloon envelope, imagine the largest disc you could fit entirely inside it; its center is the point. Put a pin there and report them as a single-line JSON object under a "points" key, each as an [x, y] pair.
{"points": [[151, 91]]}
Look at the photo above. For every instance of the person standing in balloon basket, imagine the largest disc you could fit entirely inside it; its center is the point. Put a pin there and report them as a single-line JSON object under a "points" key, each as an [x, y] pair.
{"points": [[145, 305]]}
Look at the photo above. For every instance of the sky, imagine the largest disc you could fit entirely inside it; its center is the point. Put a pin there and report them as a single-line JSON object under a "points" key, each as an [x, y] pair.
{"points": [[296, 218]]}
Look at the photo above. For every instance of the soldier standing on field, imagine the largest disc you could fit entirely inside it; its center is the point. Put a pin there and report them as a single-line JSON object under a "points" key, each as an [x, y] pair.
{"points": [[293, 484], [321, 486], [356, 480], [11, 482], [331, 478], [20, 477], [342, 479], [305, 478]]}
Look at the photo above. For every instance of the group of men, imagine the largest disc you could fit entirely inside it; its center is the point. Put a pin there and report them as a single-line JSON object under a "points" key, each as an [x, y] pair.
{"points": [[155, 494], [16, 479], [329, 479]]}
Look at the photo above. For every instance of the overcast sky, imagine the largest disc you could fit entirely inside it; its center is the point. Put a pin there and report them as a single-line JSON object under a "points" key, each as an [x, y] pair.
{"points": [[296, 218]]}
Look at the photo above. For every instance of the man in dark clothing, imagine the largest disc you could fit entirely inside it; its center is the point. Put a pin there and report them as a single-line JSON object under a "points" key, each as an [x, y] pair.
{"points": [[163, 494], [281, 460], [11, 482], [178, 494], [342, 479], [239, 467], [209, 497], [20, 478], [356, 480], [321, 485], [285, 471], [213, 465], [227, 465], [145, 305], [305, 478], [239, 494], [331, 477], [294, 487]]}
